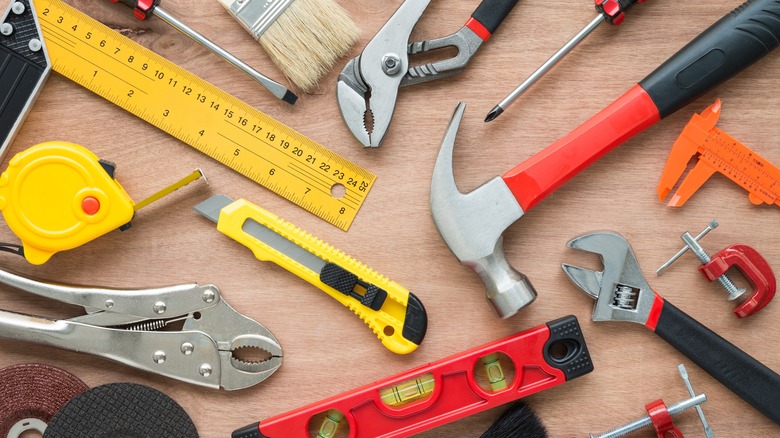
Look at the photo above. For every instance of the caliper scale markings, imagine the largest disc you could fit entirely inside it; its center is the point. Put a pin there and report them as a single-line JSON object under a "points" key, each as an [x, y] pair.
{"points": [[201, 115]]}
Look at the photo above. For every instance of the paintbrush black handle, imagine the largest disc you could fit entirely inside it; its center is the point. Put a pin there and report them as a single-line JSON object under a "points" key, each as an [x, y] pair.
{"points": [[738, 371], [491, 13], [736, 41]]}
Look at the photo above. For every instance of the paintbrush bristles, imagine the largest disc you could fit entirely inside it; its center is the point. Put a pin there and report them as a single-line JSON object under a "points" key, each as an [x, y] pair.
{"points": [[307, 39], [519, 421]]}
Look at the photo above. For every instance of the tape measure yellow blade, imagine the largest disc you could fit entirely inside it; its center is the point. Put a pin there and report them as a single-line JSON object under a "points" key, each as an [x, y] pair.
{"points": [[201, 115]]}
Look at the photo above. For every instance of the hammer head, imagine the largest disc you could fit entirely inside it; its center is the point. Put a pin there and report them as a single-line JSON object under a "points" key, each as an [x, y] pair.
{"points": [[472, 225]]}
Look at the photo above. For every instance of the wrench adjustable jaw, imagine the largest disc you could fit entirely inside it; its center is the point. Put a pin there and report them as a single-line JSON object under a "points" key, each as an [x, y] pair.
{"points": [[620, 290], [472, 225]]}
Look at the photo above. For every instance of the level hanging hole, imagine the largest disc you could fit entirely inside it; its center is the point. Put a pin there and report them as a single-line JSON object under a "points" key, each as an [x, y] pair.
{"points": [[338, 190], [561, 351], [389, 330]]}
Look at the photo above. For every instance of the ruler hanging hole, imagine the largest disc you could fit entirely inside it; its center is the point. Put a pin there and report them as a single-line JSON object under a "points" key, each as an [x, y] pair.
{"points": [[389, 331], [338, 190]]}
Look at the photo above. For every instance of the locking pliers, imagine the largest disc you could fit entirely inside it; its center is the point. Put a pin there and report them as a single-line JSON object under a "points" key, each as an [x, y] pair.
{"points": [[368, 85], [125, 326]]}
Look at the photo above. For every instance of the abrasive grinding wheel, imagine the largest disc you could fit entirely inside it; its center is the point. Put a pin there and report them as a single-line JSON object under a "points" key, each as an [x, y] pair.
{"points": [[30, 395], [121, 410]]}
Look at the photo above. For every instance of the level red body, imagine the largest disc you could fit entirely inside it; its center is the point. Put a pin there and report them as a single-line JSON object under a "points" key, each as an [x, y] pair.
{"points": [[444, 391]]}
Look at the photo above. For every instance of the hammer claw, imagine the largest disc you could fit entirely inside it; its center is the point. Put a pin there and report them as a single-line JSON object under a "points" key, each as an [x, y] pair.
{"points": [[472, 225]]}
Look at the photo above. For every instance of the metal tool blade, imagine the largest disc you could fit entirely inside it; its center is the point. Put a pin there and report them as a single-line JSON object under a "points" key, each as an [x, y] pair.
{"points": [[211, 207]]}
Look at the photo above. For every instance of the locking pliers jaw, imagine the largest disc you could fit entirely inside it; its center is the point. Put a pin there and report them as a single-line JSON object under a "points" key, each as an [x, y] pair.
{"points": [[126, 326]]}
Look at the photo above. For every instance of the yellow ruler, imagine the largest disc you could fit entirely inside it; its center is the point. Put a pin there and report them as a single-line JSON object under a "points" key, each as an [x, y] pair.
{"points": [[201, 115]]}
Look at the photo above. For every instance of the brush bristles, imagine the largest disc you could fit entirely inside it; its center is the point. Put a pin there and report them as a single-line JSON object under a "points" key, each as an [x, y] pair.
{"points": [[307, 39], [519, 421]]}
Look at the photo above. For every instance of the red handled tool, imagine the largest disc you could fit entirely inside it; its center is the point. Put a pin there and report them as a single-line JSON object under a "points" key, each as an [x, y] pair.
{"points": [[612, 11], [444, 391], [720, 52]]}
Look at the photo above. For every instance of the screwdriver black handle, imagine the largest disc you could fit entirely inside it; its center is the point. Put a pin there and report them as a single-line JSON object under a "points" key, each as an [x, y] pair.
{"points": [[730, 45], [141, 8], [491, 13], [735, 369], [615, 10]]}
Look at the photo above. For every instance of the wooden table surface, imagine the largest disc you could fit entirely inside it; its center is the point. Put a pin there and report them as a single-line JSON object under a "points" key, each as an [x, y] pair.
{"points": [[327, 350]]}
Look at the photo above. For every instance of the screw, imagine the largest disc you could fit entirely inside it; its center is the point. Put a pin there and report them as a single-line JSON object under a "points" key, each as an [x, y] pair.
{"points": [[684, 375], [187, 348], [159, 356], [205, 370], [159, 307], [733, 291], [109, 304], [6, 29], [646, 421], [35, 45], [712, 225], [391, 64], [18, 8], [209, 295]]}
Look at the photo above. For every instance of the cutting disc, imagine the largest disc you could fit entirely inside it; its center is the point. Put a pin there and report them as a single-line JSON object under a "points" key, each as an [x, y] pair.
{"points": [[121, 410], [30, 394]]}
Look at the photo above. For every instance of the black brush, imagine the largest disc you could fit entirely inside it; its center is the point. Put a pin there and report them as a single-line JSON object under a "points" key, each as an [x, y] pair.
{"points": [[519, 421]]}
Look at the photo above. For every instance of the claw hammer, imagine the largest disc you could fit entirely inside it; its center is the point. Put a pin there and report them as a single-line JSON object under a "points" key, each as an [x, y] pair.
{"points": [[472, 224]]}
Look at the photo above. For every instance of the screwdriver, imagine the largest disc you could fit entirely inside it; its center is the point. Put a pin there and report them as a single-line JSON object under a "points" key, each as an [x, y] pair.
{"points": [[144, 8], [609, 10]]}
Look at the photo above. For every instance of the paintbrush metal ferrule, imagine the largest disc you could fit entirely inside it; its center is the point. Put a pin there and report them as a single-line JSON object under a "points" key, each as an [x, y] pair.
{"points": [[256, 15]]}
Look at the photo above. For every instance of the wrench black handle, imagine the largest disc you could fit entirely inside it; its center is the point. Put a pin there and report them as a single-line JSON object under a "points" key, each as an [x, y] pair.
{"points": [[735, 369], [729, 46], [491, 13]]}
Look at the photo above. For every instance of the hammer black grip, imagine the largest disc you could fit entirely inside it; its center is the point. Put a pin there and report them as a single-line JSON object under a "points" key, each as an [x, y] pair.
{"points": [[726, 48], [490, 13], [735, 369]]}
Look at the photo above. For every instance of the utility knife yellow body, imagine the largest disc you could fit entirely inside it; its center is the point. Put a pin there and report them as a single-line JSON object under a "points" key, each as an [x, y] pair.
{"points": [[395, 315]]}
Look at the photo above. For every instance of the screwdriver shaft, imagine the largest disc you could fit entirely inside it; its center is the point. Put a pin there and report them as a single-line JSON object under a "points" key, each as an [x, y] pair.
{"points": [[277, 89], [541, 71]]}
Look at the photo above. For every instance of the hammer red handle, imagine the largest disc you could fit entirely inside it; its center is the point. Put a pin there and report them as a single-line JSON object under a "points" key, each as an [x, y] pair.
{"points": [[727, 47]]}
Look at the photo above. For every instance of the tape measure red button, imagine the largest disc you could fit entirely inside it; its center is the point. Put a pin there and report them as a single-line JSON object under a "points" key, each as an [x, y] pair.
{"points": [[90, 205]]}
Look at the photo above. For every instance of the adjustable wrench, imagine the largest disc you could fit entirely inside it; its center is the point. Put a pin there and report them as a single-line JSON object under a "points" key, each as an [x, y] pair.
{"points": [[472, 224], [622, 294]]}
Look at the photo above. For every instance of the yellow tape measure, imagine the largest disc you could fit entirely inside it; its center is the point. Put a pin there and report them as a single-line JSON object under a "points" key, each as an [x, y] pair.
{"points": [[201, 115]]}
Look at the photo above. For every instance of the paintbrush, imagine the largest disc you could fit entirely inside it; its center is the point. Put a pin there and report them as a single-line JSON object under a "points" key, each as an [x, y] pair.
{"points": [[304, 38], [519, 421]]}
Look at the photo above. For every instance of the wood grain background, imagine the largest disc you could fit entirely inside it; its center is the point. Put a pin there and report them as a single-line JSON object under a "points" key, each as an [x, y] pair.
{"points": [[327, 349]]}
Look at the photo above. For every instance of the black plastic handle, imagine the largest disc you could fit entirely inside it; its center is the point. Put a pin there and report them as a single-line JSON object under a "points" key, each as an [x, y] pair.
{"points": [[735, 369], [490, 13], [727, 47]]}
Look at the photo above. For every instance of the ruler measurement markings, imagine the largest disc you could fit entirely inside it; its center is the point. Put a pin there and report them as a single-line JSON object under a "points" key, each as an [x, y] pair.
{"points": [[69, 40], [349, 194], [181, 93]]}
